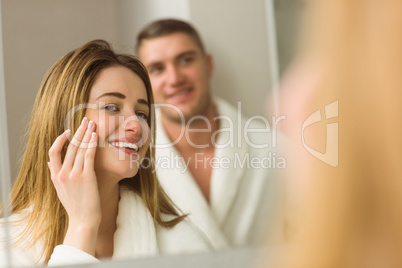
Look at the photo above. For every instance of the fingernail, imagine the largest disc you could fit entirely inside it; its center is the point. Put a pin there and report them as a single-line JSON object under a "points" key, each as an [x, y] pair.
{"points": [[67, 133], [48, 164], [90, 124], [93, 134], [84, 120]]}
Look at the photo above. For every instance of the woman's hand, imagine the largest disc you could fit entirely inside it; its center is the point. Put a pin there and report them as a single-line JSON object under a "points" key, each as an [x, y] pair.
{"points": [[76, 185]]}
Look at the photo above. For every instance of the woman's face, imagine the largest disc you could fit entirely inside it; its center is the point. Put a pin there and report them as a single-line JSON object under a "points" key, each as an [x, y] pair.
{"points": [[121, 122]]}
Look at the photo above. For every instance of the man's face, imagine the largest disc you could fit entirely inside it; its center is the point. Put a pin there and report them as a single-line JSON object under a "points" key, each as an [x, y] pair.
{"points": [[179, 73]]}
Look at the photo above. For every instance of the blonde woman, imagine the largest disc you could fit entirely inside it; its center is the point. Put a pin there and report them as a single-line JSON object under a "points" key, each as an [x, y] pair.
{"points": [[86, 189]]}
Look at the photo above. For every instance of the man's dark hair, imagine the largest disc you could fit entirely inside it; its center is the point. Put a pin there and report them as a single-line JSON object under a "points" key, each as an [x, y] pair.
{"points": [[165, 27]]}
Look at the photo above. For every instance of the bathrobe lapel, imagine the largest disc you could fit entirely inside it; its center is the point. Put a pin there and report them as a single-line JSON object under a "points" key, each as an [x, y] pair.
{"points": [[135, 235], [226, 178], [180, 186]]}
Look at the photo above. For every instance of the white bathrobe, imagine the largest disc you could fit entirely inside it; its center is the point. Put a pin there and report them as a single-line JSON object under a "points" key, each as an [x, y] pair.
{"points": [[136, 236], [245, 195]]}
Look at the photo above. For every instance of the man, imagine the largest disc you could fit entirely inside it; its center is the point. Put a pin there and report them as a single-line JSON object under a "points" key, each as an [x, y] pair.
{"points": [[202, 153]]}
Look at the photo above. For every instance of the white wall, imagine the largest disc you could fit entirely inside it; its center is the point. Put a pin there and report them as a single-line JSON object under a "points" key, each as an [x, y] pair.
{"points": [[36, 34], [235, 32], [133, 15]]}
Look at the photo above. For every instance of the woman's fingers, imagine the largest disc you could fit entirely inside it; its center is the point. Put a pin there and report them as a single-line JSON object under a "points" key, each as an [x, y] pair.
{"points": [[82, 146], [55, 163], [75, 143], [85, 145], [90, 154], [74, 178]]}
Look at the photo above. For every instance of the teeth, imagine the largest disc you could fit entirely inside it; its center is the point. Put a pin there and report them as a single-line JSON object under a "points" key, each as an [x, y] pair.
{"points": [[132, 146]]}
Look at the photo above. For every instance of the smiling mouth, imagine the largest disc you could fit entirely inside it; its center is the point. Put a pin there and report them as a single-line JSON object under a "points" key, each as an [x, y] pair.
{"points": [[180, 93], [126, 145]]}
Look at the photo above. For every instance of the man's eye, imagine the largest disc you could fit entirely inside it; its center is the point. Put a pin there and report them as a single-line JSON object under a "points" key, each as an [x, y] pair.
{"points": [[186, 60], [111, 108], [156, 70]]}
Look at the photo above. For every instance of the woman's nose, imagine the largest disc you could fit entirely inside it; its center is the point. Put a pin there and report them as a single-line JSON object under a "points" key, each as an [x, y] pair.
{"points": [[132, 124]]}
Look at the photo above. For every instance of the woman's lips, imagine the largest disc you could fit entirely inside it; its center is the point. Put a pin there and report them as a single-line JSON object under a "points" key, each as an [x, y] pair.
{"points": [[128, 145]]}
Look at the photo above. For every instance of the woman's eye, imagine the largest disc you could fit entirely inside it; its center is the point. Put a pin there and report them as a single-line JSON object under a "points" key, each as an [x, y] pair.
{"points": [[142, 115], [111, 108]]}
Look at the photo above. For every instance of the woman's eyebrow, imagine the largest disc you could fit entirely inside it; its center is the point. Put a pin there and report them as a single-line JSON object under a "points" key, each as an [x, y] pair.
{"points": [[143, 101], [121, 96], [115, 94]]}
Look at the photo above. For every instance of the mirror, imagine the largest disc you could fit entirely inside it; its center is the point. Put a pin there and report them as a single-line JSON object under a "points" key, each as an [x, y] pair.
{"points": [[36, 34]]}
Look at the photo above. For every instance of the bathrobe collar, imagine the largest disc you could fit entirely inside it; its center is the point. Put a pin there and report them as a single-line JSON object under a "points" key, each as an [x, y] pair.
{"points": [[135, 235], [181, 187]]}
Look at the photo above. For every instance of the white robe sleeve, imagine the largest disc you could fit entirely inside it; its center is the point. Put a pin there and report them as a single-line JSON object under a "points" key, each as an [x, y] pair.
{"points": [[67, 255]]}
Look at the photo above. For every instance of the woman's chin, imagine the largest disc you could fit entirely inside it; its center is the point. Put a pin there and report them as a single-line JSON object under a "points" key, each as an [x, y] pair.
{"points": [[117, 174], [130, 173]]}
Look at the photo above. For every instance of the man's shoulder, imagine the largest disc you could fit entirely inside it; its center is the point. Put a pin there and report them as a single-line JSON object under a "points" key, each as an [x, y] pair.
{"points": [[236, 113], [255, 132], [224, 107]]}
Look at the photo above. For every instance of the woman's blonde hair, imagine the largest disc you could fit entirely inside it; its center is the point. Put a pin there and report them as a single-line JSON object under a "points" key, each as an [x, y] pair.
{"points": [[65, 87]]}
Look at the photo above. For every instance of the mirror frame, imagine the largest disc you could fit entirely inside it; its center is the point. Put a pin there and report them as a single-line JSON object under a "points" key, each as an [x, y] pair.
{"points": [[236, 257]]}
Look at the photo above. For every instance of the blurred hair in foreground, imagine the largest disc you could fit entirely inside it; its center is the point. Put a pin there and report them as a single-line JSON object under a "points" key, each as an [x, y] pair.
{"points": [[349, 215]]}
